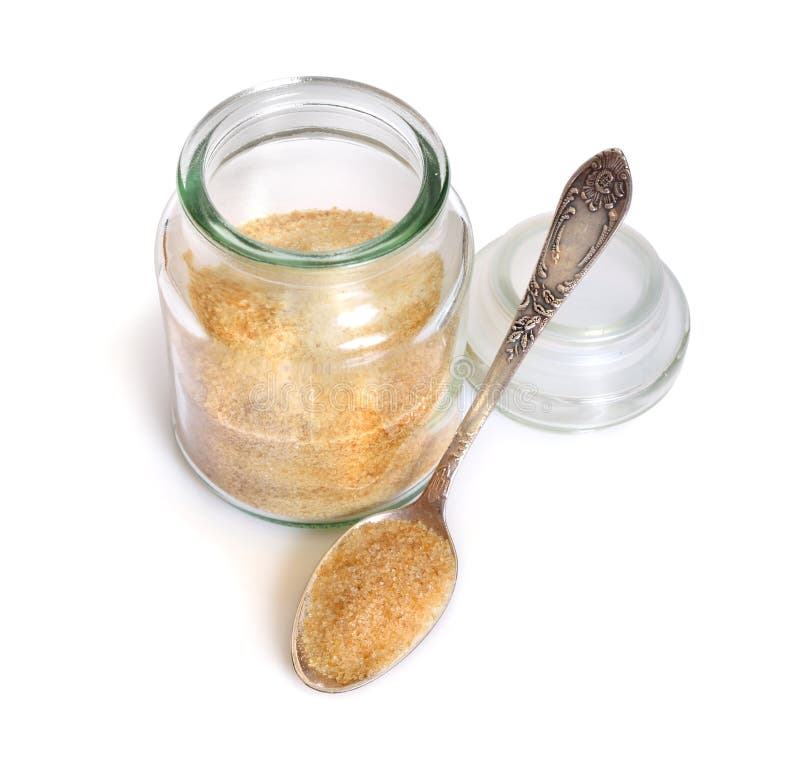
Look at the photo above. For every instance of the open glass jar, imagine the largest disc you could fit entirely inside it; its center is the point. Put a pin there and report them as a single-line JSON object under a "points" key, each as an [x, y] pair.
{"points": [[314, 387]]}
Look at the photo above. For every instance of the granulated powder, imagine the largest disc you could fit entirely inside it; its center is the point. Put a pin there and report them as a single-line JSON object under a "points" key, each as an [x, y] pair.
{"points": [[317, 231], [365, 428], [378, 592]]}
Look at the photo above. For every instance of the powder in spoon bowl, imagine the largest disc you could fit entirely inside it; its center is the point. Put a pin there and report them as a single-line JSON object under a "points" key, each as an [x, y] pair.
{"points": [[378, 592]]}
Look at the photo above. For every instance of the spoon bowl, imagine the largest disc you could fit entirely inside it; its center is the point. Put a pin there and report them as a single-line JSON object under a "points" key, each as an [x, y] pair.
{"points": [[592, 206], [418, 511]]}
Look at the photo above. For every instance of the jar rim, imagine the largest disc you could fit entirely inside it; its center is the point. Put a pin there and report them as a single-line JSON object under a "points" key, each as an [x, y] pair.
{"points": [[201, 211]]}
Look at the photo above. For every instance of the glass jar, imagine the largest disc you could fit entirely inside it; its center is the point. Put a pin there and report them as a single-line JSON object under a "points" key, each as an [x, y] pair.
{"points": [[314, 387]]}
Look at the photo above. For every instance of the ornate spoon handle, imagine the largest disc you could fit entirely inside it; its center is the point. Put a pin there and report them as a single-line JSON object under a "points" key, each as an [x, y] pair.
{"points": [[593, 204]]}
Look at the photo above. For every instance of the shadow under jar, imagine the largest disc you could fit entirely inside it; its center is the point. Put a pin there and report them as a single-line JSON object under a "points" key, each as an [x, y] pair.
{"points": [[314, 387]]}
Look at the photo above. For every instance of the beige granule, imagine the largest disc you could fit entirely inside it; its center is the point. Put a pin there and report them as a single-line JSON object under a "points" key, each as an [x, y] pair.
{"points": [[316, 231], [376, 595], [332, 462], [231, 312]]}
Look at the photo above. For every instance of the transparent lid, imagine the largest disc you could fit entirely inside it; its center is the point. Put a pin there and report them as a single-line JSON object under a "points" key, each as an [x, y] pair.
{"points": [[612, 351]]}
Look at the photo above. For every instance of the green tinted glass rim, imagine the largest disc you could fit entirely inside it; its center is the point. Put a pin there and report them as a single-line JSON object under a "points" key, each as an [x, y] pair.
{"points": [[196, 201]]}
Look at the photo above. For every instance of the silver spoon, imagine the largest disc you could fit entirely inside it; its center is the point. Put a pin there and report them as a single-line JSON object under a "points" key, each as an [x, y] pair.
{"points": [[591, 208]]}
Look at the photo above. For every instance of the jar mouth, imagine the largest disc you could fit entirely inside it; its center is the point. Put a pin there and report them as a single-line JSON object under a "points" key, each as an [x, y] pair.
{"points": [[208, 140]]}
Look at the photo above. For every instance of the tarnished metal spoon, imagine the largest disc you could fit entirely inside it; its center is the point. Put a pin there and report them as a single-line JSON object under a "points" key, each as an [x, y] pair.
{"points": [[591, 208]]}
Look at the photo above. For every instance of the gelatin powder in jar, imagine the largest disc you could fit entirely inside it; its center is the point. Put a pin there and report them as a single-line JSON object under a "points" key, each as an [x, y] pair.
{"points": [[315, 463]]}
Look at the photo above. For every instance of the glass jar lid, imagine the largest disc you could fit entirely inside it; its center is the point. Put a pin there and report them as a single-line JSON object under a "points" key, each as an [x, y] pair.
{"points": [[612, 351]]}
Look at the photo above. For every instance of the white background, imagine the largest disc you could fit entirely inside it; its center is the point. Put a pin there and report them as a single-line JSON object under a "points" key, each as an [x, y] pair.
{"points": [[625, 597]]}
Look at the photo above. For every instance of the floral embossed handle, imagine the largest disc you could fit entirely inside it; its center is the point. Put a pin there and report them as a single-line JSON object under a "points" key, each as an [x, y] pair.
{"points": [[592, 206]]}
